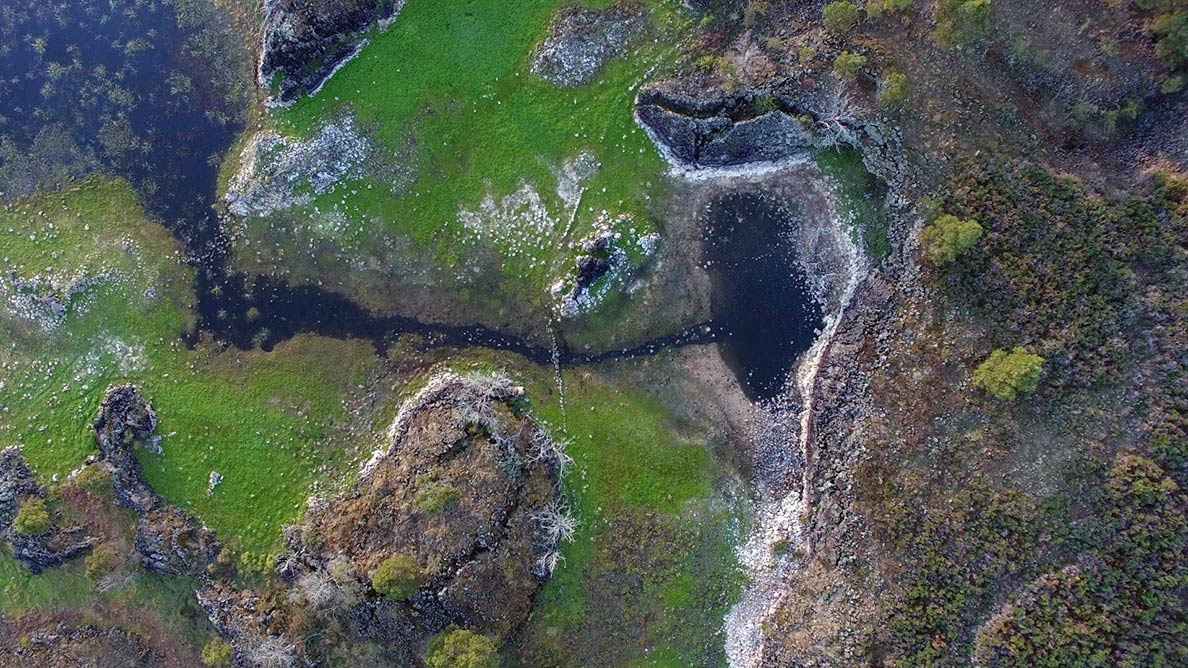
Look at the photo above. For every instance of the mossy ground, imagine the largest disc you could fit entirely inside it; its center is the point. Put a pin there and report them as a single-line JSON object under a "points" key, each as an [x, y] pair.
{"points": [[449, 90], [856, 193]]}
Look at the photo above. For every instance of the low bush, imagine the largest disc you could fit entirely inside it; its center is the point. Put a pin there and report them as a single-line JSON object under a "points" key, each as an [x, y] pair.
{"points": [[460, 648], [216, 654], [101, 561], [946, 238], [847, 64], [32, 519], [397, 578], [1005, 375], [839, 17]]}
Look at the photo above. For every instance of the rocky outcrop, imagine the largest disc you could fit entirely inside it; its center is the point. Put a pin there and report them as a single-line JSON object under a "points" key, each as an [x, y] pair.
{"points": [[467, 489], [306, 41], [37, 553], [169, 540], [720, 131], [581, 41], [126, 421]]}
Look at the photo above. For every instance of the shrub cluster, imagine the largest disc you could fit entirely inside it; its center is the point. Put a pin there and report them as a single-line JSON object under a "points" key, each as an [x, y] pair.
{"points": [[32, 519], [397, 577], [1005, 375], [461, 648]]}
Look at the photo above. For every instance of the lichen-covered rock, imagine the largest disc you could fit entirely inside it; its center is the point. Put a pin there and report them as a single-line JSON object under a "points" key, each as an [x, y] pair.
{"points": [[278, 172], [170, 541], [581, 41], [306, 41]]}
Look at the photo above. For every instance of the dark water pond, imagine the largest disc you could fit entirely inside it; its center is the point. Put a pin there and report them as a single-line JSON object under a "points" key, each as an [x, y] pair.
{"points": [[760, 294], [127, 88]]}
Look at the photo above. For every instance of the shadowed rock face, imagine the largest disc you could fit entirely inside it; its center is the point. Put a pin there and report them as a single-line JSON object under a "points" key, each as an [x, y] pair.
{"points": [[306, 40], [37, 553], [731, 130]]}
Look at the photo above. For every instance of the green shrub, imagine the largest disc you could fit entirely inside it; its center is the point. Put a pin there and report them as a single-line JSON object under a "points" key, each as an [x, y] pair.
{"points": [[1171, 33], [434, 498], [877, 7], [839, 17], [806, 55], [962, 21], [847, 64], [216, 654], [95, 479], [1172, 85], [397, 578], [1005, 375], [101, 561], [32, 519], [460, 648], [947, 237], [894, 89]]}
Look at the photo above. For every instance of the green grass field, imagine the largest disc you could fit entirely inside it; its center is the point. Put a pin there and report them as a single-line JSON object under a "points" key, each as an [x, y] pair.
{"points": [[450, 86]]}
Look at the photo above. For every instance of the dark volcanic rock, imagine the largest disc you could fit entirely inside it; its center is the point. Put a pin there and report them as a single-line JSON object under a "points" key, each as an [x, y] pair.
{"points": [[307, 40], [37, 553], [170, 541], [581, 41]]}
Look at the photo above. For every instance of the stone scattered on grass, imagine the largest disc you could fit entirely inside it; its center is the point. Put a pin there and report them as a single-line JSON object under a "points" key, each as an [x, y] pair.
{"points": [[581, 41]]}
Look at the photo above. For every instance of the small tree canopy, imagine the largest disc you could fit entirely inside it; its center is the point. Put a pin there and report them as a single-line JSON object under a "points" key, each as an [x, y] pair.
{"points": [[839, 17], [216, 654], [397, 578], [32, 519], [894, 89], [947, 237], [962, 21], [460, 648], [1005, 375]]}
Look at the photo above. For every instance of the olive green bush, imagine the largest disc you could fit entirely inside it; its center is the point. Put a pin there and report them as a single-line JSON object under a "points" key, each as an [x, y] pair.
{"points": [[839, 17], [32, 519], [461, 648], [397, 578], [946, 238], [1007, 374]]}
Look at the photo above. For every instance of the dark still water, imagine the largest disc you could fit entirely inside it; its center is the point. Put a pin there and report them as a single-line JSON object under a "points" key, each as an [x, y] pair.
{"points": [[760, 294]]}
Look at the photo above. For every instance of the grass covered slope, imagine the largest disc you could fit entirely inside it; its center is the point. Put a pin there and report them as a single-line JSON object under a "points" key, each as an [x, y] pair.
{"points": [[99, 297], [447, 91]]}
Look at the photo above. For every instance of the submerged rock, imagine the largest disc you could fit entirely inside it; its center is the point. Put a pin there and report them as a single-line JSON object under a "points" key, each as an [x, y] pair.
{"points": [[41, 552], [581, 41], [306, 41]]}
